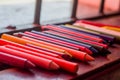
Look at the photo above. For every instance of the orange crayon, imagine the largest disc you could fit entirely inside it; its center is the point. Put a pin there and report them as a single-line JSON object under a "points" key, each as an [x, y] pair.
{"points": [[76, 54], [65, 56], [6, 42], [24, 42], [81, 48]]}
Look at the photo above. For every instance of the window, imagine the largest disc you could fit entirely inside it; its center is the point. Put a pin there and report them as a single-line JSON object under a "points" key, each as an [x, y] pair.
{"points": [[56, 10], [111, 6], [88, 8], [19, 12], [16, 12], [94, 8]]}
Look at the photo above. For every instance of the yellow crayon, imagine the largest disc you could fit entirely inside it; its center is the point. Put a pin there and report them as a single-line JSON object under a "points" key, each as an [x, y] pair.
{"points": [[79, 28], [100, 30], [112, 28]]}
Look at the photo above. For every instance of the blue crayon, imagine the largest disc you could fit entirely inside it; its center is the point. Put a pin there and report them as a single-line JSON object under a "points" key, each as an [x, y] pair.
{"points": [[95, 51], [109, 39], [58, 35], [101, 49], [82, 32], [46, 40]]}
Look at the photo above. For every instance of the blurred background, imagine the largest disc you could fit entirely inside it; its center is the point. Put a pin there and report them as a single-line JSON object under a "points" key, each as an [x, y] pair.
{"points": [[17, 12]]}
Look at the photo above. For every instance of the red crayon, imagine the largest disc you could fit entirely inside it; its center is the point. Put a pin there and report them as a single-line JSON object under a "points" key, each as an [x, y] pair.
{"points": [[69, 66], [24, 42], [15, 61], [38, 61], [77, 39], [100, 30], [95, 23], [82, 48], [76, 54], [6, 42], [73, 33], [46, 40], [65, 56]]}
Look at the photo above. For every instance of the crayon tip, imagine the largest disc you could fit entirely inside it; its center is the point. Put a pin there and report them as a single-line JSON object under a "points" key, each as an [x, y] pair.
{"points": [[54, 66], [89, 58], [29, 64], [67, 53], [88, 51]]}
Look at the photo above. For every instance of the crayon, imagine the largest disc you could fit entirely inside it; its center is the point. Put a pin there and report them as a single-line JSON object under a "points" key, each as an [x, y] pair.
{"points": [[76, 54], [82, 29], [106, 38], [73, 33], [38, 61], [5, 42], [23, 41], [80, 32], [65, 56], [47, 40], [62, 63], [95, 23], [15, 61], [81, 35], [82, 48], [31, 36], [23, 50], [109, 39], [103, 41], [76, 38], [95, 51], [101, 30], [101, 47], [112, 28]]}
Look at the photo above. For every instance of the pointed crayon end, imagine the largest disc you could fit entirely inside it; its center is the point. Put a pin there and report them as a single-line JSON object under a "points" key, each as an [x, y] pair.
{"points": [[89, 58], [67, 53], [88, 51], [54, 66]]}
